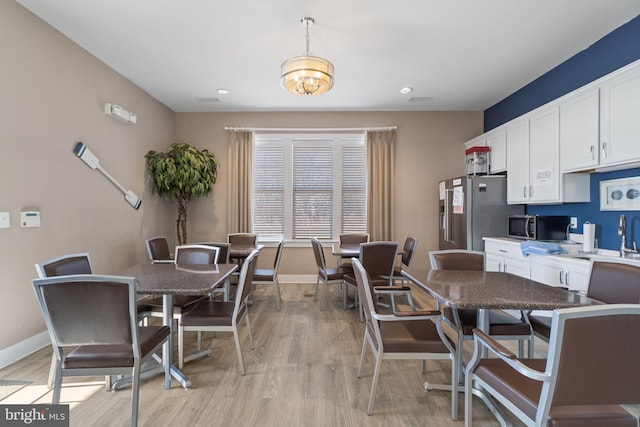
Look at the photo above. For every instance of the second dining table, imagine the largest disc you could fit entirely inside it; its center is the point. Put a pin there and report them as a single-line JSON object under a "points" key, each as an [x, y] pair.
{"points": [[492, 290], [169, 280]]}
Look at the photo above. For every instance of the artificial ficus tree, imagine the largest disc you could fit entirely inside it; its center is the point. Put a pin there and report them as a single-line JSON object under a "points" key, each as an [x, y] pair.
{"points": [[180, 174]]}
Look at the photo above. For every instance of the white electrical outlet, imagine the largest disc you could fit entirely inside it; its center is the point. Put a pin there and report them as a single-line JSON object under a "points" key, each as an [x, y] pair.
{"points": [[574, 222], [5, 220]]}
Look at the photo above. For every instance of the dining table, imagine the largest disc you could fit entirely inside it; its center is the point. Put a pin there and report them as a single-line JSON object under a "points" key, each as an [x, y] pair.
{"points": [[492, 290], [168, 280]]}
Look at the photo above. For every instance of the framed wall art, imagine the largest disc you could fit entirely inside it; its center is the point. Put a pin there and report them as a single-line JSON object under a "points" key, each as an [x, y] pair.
{"points": [[620, 194]]}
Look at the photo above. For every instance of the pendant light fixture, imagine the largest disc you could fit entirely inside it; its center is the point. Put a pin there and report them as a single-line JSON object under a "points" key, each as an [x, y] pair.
{"points": [[307, 75]]}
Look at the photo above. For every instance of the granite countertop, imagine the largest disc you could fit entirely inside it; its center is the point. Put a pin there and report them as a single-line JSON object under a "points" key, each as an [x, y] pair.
{"points": [[494, 290], [159, 279]]}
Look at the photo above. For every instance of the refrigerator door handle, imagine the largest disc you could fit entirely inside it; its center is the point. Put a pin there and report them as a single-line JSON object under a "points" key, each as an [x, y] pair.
{"points": [[446, 215]]}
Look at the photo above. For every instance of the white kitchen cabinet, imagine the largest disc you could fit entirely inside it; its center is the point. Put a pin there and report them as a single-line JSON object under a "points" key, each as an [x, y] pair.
{"points": [[496, 140], [579, 131], [560, 271], [619, 120], [517, 137], [506, 256], [533, 162]]}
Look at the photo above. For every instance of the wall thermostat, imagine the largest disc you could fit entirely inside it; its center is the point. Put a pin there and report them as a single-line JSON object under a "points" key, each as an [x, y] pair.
{"points": [[29, 219]]}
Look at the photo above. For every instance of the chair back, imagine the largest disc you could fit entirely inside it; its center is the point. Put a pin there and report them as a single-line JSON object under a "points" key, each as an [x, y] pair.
{"points": [[378, 258], [223, 251], [456, 259], [407, 251], [353, 239], [158, 249], [318, 252], [366, 299], [89, 310], [245, 280], [593, 357], [276, 261], [65, 265], [196, 254], [242, 239], [614, 283]]}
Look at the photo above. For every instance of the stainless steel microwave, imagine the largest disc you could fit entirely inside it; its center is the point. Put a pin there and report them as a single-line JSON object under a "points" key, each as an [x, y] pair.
{"points": [[539, 227]]}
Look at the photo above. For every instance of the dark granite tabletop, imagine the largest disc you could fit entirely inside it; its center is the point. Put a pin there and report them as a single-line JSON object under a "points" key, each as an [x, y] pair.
{"points": [[160, 279], [494, 290]]}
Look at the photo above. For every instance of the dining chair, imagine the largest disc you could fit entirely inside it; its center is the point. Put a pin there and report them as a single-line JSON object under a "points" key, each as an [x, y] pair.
{"points": [[502, 326], [378, 259], [592, 367], [411, 335], [93, 326], [184, 255], [609, 282], [269, 276], [408, 249], [222, 316], [328, 276], [350, 240], [223, 258], [158, 250], [62, 266]]}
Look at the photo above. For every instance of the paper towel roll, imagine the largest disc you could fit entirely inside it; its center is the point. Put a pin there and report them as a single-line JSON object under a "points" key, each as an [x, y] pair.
{"points": [[588, 236]]}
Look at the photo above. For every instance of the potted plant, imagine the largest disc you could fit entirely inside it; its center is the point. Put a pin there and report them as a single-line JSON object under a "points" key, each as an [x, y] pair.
{"points": [[180, 174]]}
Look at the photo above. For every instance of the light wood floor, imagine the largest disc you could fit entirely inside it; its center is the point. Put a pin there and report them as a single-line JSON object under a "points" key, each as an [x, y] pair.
{"points": [[301, 373]]}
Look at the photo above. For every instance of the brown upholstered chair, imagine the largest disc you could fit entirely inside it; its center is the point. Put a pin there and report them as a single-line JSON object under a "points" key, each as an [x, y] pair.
{"points": [[222, 316], [158, 250], [93, 325], [328, 276], [269, 276], [592, 367], [407, 255], [378, 259], [413, 335], [245, 242], [609, 282], [353, 241], [503, 326], [223, 258], [63, 266]]}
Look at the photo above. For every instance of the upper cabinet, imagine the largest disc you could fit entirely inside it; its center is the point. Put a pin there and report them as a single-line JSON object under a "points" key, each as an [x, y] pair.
{"points": [[496, 141], [517, 136], [579, 131], [619, 118]]}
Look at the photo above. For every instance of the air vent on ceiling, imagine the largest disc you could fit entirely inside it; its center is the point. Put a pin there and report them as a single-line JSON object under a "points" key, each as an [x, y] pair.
{"points": [[207, 100], [421, 99]]}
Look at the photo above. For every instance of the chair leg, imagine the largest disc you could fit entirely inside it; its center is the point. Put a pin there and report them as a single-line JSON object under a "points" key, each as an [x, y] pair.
{"points": [[455, 379], [521, 349], [468, 399], [393, 303], [530, 346], [324, 291], [362, 354], [315, 295], [52, 372], [57, 383], [246, 315], [238, 350], [410, 301], [135, 390], [374, 382], [276, 286]]}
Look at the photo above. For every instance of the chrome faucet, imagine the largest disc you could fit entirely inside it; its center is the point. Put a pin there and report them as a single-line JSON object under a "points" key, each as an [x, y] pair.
{"points": [[622, 232]]}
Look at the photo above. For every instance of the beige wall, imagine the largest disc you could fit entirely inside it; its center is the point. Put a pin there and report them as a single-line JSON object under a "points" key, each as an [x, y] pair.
{"points": [[53, 93], [429, 148]]}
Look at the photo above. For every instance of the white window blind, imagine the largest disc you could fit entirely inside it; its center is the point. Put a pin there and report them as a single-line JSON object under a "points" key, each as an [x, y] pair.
{"points": [[309, 186]]}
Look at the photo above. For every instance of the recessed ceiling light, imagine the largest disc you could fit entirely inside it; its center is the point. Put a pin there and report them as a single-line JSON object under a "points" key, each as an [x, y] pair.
{"points": [[406, 90], [223, 91]]}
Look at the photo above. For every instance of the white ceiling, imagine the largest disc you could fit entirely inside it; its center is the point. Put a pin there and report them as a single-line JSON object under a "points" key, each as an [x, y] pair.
{"points": [[466, 54]]}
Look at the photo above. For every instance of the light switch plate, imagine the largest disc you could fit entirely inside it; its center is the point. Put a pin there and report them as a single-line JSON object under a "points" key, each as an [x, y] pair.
{"points": [[5, 220]]}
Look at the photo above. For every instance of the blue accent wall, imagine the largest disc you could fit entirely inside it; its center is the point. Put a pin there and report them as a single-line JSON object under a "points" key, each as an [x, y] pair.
{"points": [[613, 51]]}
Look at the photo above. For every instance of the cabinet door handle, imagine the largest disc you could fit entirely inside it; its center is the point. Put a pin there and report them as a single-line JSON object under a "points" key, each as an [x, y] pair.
{"points": [[531, 191], [591, 149], [566, 278], [524, 191], [561, 281], [604, 150]]}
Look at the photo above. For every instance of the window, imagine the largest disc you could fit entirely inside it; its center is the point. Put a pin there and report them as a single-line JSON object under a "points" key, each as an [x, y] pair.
{"points": [[309, 186]]}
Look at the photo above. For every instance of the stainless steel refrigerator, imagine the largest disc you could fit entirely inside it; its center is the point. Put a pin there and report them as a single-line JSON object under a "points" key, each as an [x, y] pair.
{"points": [[473, 207]]}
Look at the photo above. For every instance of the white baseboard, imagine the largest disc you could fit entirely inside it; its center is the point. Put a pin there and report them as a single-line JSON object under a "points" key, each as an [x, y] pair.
{"points": [[297, 278], [24, 348]]}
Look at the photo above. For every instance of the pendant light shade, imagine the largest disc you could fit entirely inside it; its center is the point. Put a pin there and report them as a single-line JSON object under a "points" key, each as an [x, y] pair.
{"points": [[307, 75]]}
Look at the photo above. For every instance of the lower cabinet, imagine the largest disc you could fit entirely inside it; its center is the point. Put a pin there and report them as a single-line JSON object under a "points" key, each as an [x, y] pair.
{"points": [[505, 256], [560, 271]]}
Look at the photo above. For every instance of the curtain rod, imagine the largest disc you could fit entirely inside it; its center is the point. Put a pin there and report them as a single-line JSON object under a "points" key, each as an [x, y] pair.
{"points": [[250, 129]]}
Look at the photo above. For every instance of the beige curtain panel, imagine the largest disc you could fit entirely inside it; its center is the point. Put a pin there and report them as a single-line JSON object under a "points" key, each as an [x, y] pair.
{"points": [[380, 170], [240, 177]]}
